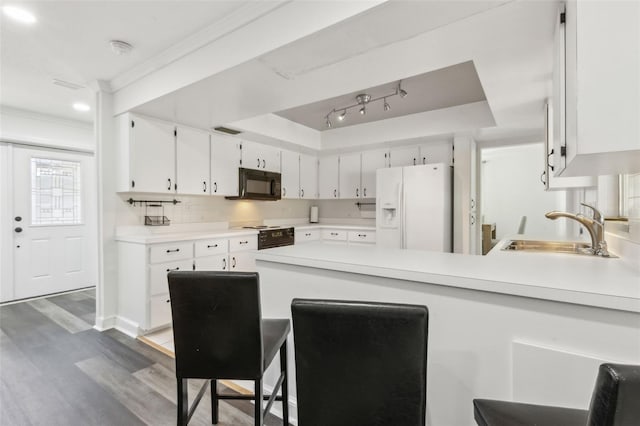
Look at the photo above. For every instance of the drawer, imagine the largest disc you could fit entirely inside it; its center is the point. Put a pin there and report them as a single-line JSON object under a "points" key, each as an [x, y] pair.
{"points": [[211, 247], [159, 311], [158, 275], [362, 237], [169, 252], [334, 235], [248, 242], [304, 236], [218, 262]]}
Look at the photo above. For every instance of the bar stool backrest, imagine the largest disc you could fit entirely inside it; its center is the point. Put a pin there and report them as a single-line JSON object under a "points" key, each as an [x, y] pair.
{"points": [[616, 396], [217, 325]]}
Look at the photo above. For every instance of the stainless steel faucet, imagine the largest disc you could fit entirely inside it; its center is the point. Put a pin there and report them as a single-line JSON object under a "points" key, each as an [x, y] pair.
{"points": [[595, 227]]}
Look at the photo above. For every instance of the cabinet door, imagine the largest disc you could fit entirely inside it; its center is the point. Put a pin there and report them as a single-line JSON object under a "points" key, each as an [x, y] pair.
{"points": [[225, 161], [158, 283], [192, 159], [404, 156], [436, 152], [350, 176], [218, 262], [242, 261], [290, 166], [153, 156], [372, 161], [328, 171], [307, 235], [308, 176], [261, 157]]}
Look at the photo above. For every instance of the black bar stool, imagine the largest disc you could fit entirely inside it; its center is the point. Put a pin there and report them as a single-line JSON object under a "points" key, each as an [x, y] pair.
{"points": [[360, 363], [219, 334], [615, 402]]}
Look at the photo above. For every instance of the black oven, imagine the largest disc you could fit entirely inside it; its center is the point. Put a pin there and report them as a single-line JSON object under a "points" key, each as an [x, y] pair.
{"points": [[257, 185], [269, 238]]}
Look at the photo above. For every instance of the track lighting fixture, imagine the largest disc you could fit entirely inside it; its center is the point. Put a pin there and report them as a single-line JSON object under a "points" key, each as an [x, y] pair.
{"points": [[362, 100]]}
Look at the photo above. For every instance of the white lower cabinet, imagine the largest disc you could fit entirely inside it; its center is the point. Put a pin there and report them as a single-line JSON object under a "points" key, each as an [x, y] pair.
{"points": [[306, 235], [143, 290], [353, 236]]}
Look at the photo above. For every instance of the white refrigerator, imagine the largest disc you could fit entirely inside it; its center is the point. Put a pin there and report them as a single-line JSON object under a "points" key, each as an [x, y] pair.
{"points": [[414, 207]]}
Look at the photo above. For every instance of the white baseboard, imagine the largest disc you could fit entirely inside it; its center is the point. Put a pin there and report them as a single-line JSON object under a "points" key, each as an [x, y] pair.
{"points": [[127, 327], [105, 323]]}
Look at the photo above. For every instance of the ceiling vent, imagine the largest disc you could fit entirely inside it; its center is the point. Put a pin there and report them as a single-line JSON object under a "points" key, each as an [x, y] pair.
{"points": [[67, 84], [227, 130]]}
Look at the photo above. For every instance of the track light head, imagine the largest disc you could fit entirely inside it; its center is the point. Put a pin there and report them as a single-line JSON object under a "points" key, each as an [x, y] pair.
{"points": [[403, 93], [328, 122], [342, 116], [386, 107], [363, 110]]}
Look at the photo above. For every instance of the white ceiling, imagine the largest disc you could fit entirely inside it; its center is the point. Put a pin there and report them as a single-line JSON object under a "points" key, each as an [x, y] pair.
{"points": [[508, 42], [70, 42]]}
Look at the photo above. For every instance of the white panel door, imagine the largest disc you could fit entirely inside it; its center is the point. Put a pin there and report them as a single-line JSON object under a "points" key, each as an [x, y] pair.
{"points": [[308, 176], [54, 240], [192, 161], [372, 161], [350, 175], [404, 156], [328, 172], [153, 156], [225, 161], [290, 166]]}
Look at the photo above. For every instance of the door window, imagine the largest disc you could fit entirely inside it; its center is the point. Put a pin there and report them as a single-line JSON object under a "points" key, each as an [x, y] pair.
{"points": [[55, 192]]}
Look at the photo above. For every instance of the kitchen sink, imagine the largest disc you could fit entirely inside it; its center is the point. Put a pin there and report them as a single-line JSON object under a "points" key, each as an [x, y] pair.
{"points": [[549, 246]]}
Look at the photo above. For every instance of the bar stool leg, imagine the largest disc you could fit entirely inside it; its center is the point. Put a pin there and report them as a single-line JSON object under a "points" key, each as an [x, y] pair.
{"points": [[214, 401], [258, 401], [285, 386], [183, 402]]}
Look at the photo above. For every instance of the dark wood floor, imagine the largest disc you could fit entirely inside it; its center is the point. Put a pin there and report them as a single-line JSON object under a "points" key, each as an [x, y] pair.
{"points": [[56, 370]]}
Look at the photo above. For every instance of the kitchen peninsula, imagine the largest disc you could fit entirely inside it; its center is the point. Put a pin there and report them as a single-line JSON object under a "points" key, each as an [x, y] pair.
{"points": [[515, 326]]}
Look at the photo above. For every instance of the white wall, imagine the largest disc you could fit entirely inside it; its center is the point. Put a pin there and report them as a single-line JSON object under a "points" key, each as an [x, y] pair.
{"points": [[37, 129], [511, 188]]}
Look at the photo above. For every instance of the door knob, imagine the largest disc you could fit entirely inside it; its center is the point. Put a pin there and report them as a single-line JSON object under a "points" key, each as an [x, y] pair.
{"points": [[18, 229]]}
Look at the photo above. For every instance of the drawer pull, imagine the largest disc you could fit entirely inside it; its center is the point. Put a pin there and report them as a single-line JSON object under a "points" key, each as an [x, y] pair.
{"points": [[362, 235], [168, 300], [213, 246], [174, 269], [308, 234], [244, 242], [335, 234], [173, 251]]}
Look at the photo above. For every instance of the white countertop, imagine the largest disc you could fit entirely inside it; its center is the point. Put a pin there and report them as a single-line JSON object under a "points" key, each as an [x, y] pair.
{"points": [[586, 280], [169, 237]]}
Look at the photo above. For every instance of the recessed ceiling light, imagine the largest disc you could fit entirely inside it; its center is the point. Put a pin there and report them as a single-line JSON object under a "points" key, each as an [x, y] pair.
{"points": [[81, 106], [19, 14]]}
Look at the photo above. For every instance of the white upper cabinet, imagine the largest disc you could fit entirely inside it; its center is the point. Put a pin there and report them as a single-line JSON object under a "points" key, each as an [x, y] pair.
{"points": [[436, 152], [225, 161], [152, 155], [308, 176], [350, 175], [597, 69], [372, 161], [193, 159], [328, 171], [259, 156], [404, 156], [290, 169]]}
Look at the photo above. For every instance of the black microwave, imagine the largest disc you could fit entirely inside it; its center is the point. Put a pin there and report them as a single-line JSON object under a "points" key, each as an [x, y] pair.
{"points": [[258, 185]]}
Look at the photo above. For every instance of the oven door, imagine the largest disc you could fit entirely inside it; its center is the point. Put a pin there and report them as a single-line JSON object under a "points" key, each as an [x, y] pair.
{"points": [[259, 185]]}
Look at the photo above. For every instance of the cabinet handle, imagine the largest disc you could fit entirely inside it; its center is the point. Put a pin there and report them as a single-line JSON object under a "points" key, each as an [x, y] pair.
{"points": [[168, 300], [205, 186], [215, 186], [357, 192], [362, 235], [308, 234], [173, 251], [473, 220], [542, 178], [364, 192], [264, 164], [302, 193], [414, 161], [284, 191], [258, 163], [169, 187], [334, 234], [473, 203], [335, 193], [233, 262], [244, 242], [174, 269], [213, 246], [424, 160], [224, 264]]}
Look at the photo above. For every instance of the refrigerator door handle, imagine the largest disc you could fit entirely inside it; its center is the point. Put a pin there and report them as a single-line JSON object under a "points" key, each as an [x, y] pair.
{"points": [[403, 217]]}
